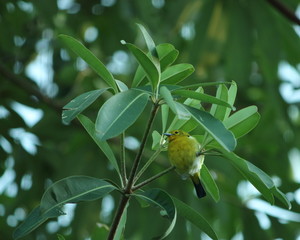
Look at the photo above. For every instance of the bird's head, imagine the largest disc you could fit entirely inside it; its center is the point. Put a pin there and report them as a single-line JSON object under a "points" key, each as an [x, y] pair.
{"points": [[176, 134]]}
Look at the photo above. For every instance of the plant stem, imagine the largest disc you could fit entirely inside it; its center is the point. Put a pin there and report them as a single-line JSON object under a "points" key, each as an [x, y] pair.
{"points": [[147, 164], [152, 178], [128, 187], [122, 160], [123, 202], [140, 152]]}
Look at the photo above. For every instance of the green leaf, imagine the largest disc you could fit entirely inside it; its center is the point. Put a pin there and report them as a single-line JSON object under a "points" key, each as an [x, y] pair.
{"points": [[202, 97], [68, 190], [72, 190], [209, 183], [139, 76], [120, 112], [243, 121], [150, 67], [217, 110], [148, 39], [161, 199], [164, 116], [180, 111], [214, 127], [194, 217], [282, 197], [260, 182], [231, 97], [155, 140], [177, 73], [80, 103], [78, 48], [34, 219], [122, 86], [167, 55], [60, 237], [103, 145]]}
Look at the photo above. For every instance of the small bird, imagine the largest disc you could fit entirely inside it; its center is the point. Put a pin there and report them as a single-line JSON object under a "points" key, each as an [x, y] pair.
{"points": [[183, 153]]}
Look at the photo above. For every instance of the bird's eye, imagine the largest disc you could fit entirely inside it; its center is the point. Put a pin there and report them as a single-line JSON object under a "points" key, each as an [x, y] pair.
{"points": [[176, 132]]}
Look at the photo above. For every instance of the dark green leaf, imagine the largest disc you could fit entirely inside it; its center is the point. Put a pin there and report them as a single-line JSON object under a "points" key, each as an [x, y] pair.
{"points": [[120, 112], [161, 199], [103, 145], [180, 111], [214, 127], [149, 41], [251, 175], [176, 73], [34, 220], [150, 67], [80, 103], [68, 190], [194, 217], [72, 190], [209, 183], [78, 48]]}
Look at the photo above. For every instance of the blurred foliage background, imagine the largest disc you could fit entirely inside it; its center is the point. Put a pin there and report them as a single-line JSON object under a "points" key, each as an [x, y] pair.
{"points": [[255, 43]]}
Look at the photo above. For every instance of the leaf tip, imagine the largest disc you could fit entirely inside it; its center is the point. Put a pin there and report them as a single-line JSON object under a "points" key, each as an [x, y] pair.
{"points": [[123, 42]]}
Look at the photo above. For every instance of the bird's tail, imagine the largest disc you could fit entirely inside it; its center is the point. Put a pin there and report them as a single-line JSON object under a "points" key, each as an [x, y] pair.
{"points": [[198, 186]]}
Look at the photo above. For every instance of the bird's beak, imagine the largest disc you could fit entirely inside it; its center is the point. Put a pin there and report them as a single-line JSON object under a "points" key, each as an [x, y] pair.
{"points": [[167, 134]]}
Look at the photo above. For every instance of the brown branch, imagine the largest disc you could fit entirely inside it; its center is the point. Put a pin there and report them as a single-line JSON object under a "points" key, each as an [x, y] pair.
{"points": [[284, 10], [26, 86]]}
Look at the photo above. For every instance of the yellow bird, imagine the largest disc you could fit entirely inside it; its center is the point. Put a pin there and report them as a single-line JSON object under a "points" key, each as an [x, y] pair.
{"points": [[183, 152]]}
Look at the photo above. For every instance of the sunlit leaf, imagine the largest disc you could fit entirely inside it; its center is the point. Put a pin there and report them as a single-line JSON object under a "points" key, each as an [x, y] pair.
{"points": [[122, 86], [194, 217], [79, 104], [177, 73], [202, 97], [78, 48], [167, 55], [243, 121], [120, 112], [217, 110], [161, 199]]}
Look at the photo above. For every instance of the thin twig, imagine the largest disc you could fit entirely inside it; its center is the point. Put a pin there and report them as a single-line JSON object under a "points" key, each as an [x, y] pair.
{"points": [[284, 10], [152, 178], [142, 146], [123, 161], [147, 164], [25, 85]]}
